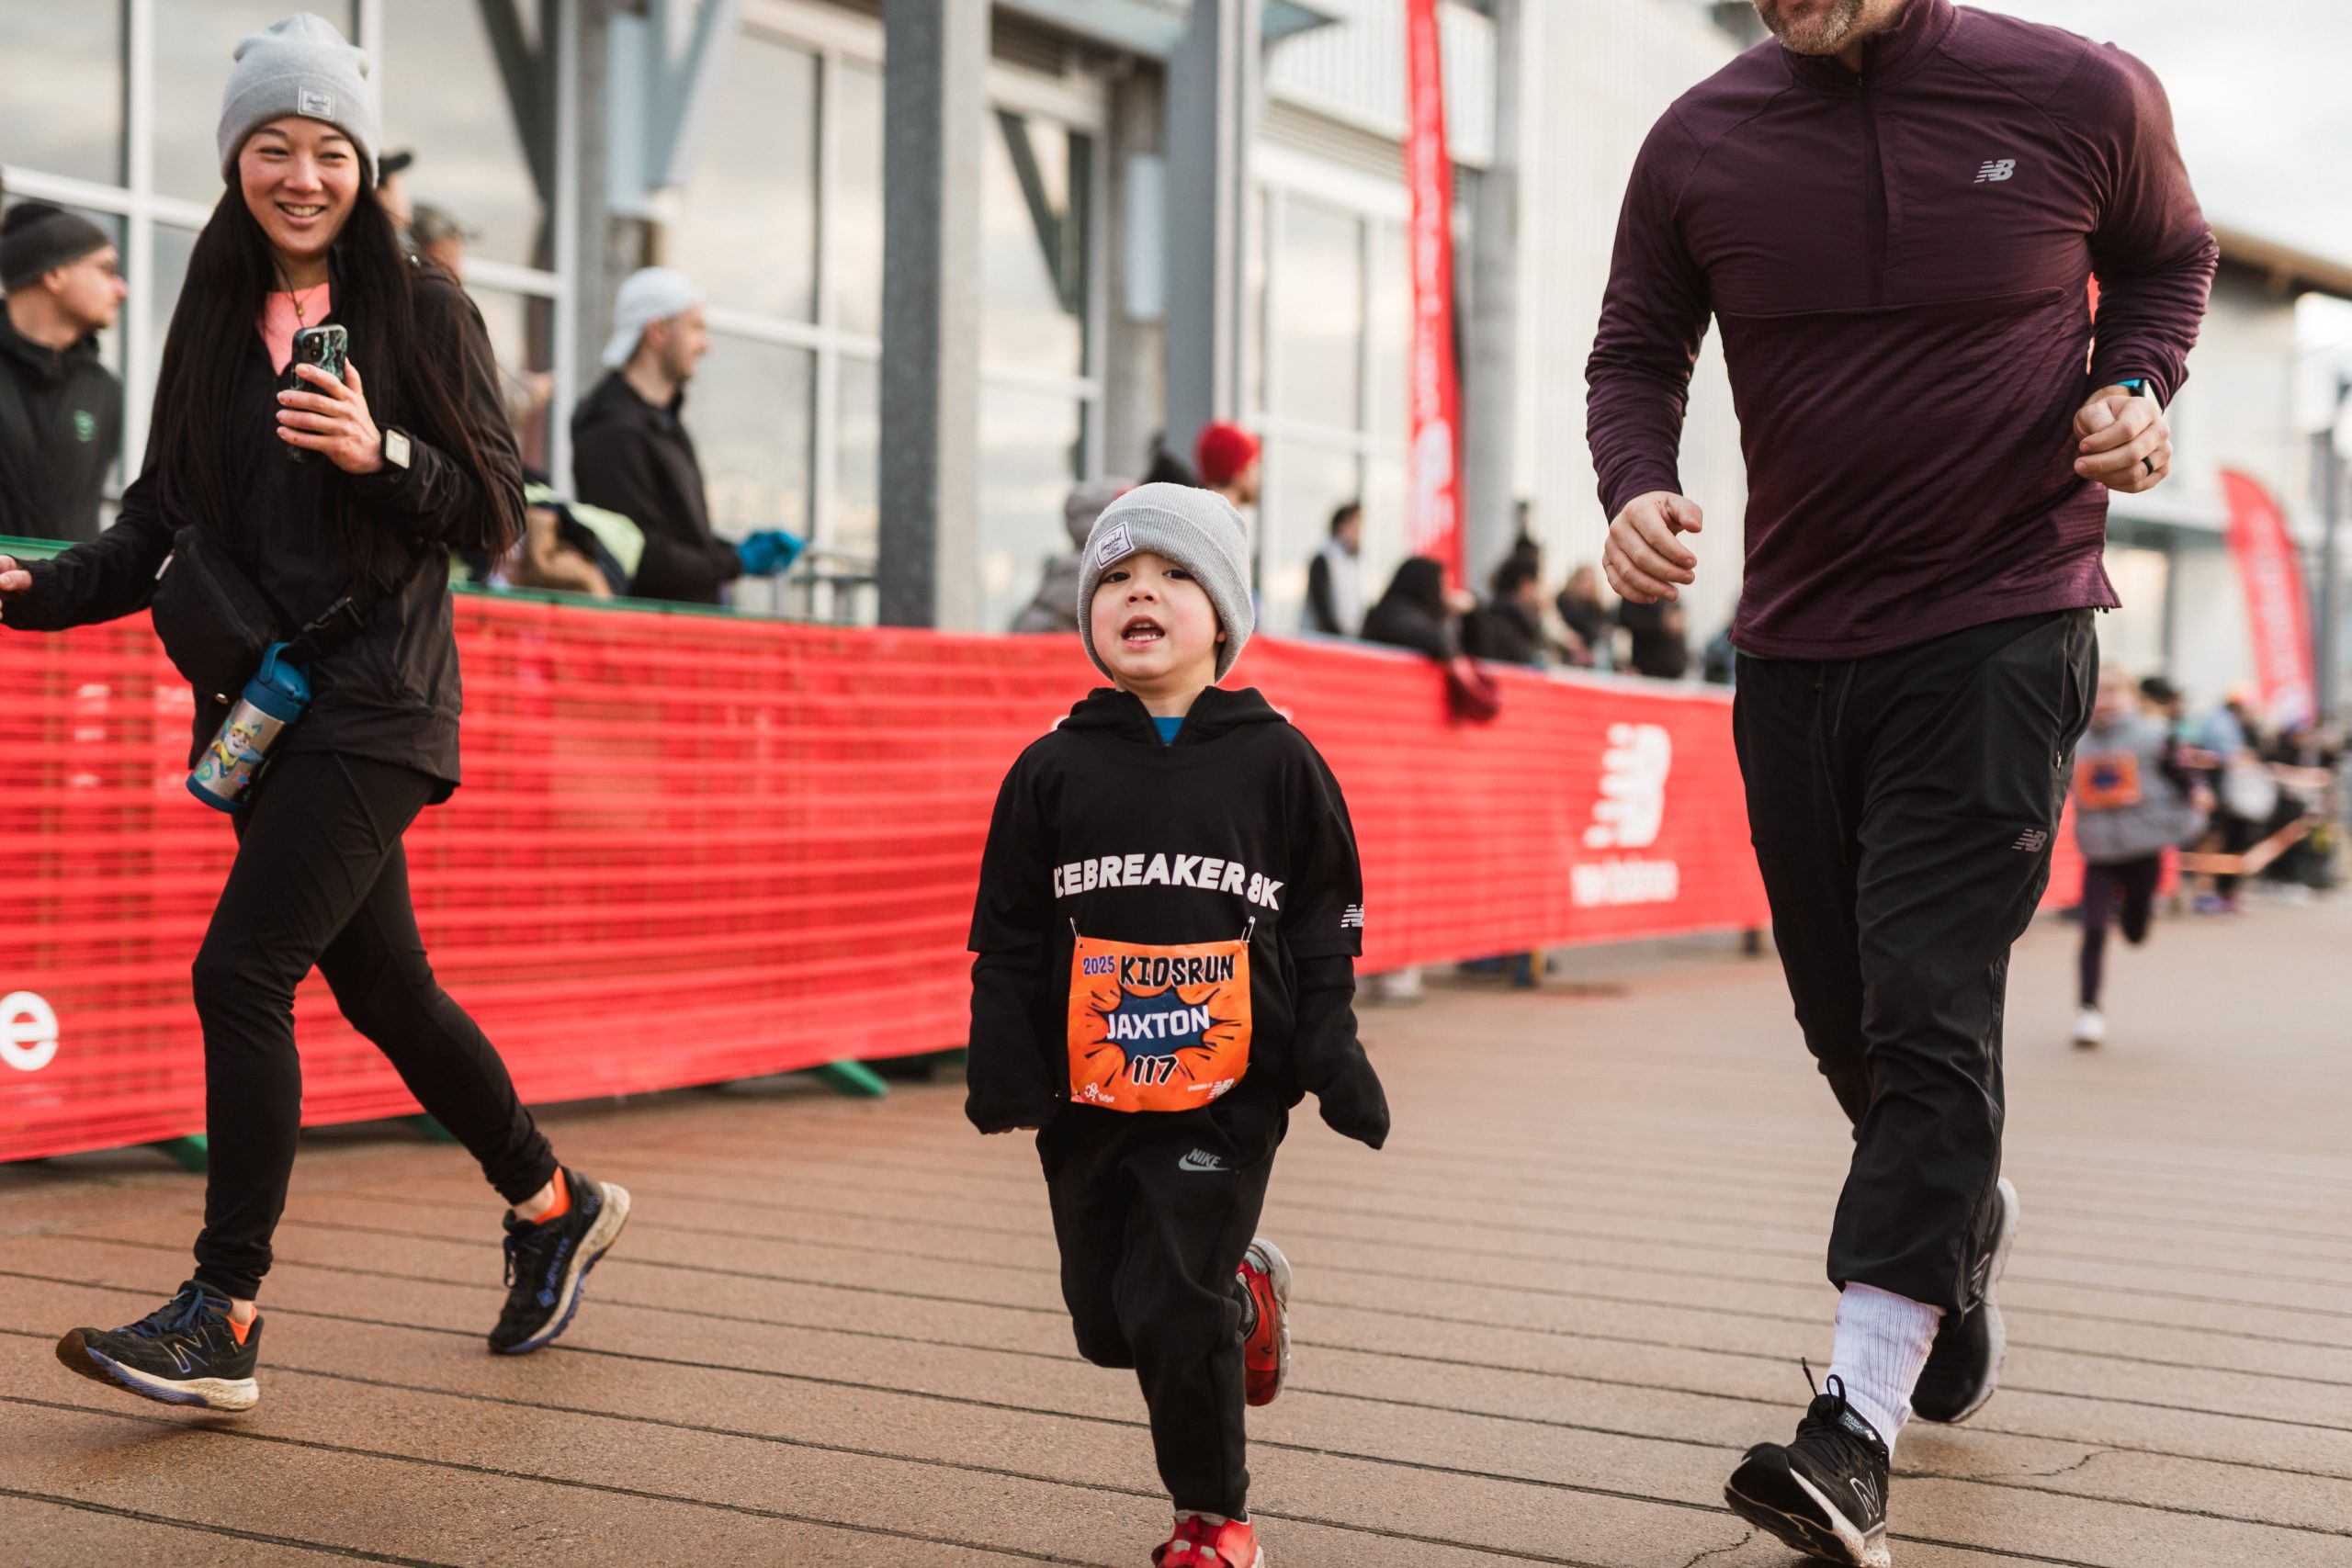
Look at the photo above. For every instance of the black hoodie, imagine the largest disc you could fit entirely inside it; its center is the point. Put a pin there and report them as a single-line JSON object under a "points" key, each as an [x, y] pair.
{"points": [[60, 420], [633, 457], [1235, 834]]}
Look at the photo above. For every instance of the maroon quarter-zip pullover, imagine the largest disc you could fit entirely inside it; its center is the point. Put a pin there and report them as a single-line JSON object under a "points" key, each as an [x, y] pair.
{"points": [[1899, 261]]}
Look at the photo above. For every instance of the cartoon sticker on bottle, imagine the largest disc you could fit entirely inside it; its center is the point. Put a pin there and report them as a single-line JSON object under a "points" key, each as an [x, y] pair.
{"points": [[1157, 1028], [2106, 781]]}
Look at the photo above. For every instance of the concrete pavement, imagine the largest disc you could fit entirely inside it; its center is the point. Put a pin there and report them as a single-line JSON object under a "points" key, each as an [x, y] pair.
{"points": [[1538, 1328]]}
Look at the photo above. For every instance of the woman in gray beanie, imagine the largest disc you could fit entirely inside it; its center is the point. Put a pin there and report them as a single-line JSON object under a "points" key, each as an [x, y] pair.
{"points": [[408, 458]]}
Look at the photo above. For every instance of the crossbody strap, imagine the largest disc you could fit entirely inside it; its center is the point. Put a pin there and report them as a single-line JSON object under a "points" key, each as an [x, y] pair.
{"points": [[336, 625]]}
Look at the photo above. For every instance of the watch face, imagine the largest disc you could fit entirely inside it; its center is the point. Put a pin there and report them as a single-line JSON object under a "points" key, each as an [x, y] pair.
{"points": [[396, 449]]}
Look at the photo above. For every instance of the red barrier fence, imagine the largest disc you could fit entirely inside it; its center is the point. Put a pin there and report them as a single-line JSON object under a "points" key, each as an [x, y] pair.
{"points": [[693, 848]]}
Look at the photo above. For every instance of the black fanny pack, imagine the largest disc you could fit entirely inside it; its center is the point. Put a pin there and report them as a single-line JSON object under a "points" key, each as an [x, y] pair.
{"points": [[215, 622]]}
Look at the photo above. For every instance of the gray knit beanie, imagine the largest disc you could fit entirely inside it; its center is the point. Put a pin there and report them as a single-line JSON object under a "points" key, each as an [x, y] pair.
{"points": [[1197, 529], [300, 66]]}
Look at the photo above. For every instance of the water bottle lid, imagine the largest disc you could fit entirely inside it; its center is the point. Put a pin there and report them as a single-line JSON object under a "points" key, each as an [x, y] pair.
{"points": [[283, 675]]}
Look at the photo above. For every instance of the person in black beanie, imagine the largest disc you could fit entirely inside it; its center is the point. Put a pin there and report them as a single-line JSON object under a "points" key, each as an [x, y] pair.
{"points": [[61, 410]]}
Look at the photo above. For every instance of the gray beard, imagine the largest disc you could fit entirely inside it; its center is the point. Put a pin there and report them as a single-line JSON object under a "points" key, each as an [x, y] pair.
{"points": [[1825, 36]]}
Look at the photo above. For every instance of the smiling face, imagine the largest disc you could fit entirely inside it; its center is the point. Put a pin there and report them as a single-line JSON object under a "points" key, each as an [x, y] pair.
{"points": [[1154, 625], [300, 178]]}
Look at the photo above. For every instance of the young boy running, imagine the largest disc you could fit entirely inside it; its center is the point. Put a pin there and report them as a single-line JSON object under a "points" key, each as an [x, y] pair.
{"points": [[2132, 801], [1170, 909]]}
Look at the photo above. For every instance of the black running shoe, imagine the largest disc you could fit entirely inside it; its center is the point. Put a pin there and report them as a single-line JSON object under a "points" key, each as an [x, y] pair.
{"points": [[1826, 1492], [1965, 1367], [182, 1353], [547, 1264]]}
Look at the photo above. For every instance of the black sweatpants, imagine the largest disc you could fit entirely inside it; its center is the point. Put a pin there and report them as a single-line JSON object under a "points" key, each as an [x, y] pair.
{"points": [[2128, 888], [1152, 1212], [321, 879], [1902, 807]]}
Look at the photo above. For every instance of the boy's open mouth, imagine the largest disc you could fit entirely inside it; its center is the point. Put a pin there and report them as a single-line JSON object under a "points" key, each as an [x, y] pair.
{"points": [[1141, 631]]}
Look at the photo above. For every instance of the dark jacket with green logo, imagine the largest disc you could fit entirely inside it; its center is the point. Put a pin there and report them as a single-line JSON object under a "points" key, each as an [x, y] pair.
{"points": [[61, 421]]}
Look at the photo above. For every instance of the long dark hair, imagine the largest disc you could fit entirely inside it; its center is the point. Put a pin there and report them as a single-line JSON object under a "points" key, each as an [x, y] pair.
{"points": [[230, 274]]}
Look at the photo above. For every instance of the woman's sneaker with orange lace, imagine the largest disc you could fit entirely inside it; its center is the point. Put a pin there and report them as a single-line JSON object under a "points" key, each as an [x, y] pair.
{"points": [[185, 1352], [1264, 1277], [1201, 1543]]}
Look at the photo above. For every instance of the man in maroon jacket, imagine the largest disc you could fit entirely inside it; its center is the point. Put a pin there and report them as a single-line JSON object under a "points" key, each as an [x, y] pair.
{"points": [[1894, 211]]}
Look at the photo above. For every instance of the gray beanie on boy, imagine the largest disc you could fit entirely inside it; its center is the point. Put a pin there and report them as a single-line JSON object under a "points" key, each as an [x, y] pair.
{"points": [[1197, 529], [300, 66]]}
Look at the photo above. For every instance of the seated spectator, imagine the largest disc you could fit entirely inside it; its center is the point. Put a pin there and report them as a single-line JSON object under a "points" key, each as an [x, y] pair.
{"points": [[1660, 650], [1508, 628], [1587, 618], [1418, 611], [1055, 609], [1335, 578]]}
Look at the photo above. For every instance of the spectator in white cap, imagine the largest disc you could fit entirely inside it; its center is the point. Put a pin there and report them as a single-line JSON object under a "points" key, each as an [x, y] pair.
{"points": [[631, 453]]}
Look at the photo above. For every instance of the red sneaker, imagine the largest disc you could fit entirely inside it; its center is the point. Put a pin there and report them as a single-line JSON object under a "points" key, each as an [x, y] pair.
{"points": [[1265, 1356], [1200, 1544]]}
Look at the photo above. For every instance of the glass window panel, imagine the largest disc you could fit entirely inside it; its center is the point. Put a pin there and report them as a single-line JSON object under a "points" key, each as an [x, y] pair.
{"points": [[521, 334], [1389, 334], [196, 43], [747, 225], [854, 227], [749, 410], [1031, 448], [1382, 550], [1320, 281], [1304, 485], [62, 90], [173, 248], [857, 457], [445, 98], [1034, 244]]}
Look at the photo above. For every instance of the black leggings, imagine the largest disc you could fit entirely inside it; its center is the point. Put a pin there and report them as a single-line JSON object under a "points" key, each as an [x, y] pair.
{"points": [[321, 879], [2129, 884]]}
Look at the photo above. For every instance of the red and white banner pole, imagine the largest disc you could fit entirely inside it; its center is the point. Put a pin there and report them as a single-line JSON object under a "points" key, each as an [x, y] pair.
{"points": [[1433, 526], [2277, 614]]}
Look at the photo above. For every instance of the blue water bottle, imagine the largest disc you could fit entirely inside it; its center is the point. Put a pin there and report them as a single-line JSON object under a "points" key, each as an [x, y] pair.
{"points": [[271, 702]]}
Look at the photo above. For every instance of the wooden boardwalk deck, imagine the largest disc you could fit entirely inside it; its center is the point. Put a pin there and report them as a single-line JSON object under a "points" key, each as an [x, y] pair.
{"points": [[1538, 1328]]}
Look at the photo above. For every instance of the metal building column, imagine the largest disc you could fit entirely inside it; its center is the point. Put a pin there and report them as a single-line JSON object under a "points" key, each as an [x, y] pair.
{"points": [[1212, 111], [935, 100], [1490, 392]]}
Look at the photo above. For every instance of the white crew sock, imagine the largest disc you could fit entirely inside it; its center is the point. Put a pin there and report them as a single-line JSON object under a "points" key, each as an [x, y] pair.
{"points": [[1883, 1345]]}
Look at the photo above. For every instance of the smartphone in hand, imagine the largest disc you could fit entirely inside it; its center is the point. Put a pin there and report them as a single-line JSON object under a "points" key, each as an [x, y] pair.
{"points": [[326, 347]]}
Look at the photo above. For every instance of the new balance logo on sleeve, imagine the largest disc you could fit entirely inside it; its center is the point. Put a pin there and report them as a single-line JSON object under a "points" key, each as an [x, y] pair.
{"points": [[1995, 170], [1353, 918], [2033, 840]]}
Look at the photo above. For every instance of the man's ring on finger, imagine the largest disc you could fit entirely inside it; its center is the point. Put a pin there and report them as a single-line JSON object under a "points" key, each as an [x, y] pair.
{"points": [[2149, 463]]}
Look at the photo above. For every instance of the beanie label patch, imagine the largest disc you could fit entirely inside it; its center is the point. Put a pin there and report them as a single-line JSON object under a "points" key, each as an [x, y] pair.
{"points": [[1114, 545], [316, 105]]}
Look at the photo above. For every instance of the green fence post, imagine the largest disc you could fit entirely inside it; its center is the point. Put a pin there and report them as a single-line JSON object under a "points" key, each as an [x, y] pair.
{"points": [[851, 1078], [190, 1153]]}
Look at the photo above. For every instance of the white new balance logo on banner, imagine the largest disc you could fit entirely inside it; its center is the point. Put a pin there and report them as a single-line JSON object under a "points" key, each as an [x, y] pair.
{"points": [[1632, 788], [1627, 816], [1995, 170]]}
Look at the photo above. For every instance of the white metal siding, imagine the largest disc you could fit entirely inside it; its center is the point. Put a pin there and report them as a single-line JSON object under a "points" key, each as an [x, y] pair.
{"points": [[1354, 71]]}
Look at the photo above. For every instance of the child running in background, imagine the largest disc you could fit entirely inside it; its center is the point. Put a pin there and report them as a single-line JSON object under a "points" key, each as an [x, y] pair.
{"points": [[2132, 801], [1170, 911]]}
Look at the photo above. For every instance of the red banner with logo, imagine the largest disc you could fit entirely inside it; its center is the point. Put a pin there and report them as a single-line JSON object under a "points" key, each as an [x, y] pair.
{"points": [[691, 849], [2277, 615], [1433, 526]]}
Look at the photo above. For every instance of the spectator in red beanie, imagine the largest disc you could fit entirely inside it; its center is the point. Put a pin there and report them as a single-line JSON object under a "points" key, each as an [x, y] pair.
{"points": [[1226, 456]]}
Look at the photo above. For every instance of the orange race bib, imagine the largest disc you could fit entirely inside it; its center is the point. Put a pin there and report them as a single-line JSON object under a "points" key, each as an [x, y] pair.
{"points": [[2106, 781], [1156, 1028]]}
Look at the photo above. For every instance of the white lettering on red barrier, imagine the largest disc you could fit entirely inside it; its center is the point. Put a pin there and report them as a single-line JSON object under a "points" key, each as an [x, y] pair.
{"points": [[1603, 884], [27, 1032]]}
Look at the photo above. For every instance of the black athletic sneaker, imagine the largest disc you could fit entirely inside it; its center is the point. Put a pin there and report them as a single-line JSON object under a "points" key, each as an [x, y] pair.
{"points": [[1826, 1492], [547, 1264], [1965, 1367], [182, 1353]]}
